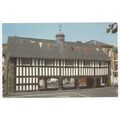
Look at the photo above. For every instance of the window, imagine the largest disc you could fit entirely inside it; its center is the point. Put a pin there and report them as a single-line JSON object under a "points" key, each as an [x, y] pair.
{"points": [[49, 62], [116, 67], [26, 61], [101, 64], [109, 53], [96, 63], [69, 62], [40, 44], [86, 63], [91, 63]]}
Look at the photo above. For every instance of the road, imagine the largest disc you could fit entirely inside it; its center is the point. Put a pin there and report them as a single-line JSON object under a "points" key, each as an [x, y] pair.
{"points": [[93, 92]]}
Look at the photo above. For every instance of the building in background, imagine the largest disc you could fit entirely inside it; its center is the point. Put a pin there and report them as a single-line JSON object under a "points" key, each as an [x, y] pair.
{"points": [[112, 53], [4, 67], [115, 70], [39, 64]]}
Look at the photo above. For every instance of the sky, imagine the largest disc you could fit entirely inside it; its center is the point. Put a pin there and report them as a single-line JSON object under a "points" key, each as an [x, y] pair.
{"points": [[73, 31]]}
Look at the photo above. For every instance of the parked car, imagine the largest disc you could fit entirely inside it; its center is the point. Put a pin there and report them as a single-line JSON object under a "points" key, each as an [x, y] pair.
{"points": [[52, 80]]}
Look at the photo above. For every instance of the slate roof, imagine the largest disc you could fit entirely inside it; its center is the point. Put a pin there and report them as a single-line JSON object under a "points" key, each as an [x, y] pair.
{"points": [[41, 48], [98, 43]]}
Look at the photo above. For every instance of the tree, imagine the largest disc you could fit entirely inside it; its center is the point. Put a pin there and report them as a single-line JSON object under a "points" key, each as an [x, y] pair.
{"points": [[113, 28]]}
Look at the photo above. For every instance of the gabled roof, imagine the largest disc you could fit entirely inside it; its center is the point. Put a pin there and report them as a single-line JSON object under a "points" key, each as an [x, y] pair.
{"points": [[41, 48], [95, 42]]}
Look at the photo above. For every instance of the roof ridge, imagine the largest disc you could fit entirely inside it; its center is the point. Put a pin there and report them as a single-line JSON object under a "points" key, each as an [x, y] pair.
{"points": [[96, 41], [31, 38]]}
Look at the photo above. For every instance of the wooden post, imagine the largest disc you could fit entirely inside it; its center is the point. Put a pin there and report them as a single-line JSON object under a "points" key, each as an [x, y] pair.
{"points": [[60, 84], [94, 82], [45, 84], [77, 83]]}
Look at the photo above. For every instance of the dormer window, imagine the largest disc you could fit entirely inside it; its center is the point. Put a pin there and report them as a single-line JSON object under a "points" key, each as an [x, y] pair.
{"points": [[97, 49], [40, 44], [32, 41]]}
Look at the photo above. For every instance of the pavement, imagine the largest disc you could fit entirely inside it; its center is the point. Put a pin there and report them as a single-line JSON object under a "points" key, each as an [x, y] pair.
{"points": [[92, 92]]}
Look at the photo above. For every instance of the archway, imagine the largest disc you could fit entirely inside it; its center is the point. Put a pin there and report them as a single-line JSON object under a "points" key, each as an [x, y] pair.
{"points": [[52, 83], [69, 83]]}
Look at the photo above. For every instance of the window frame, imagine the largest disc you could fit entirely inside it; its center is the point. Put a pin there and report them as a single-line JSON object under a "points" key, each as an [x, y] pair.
{"points": [[26, 61]]}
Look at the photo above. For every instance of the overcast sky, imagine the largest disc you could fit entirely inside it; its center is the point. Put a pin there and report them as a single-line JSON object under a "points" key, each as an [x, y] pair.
{"points": [[73, 31]]}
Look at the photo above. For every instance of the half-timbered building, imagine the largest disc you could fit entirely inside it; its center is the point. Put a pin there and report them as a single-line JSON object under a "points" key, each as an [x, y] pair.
{"points": [[38, 64], [111, 51]]}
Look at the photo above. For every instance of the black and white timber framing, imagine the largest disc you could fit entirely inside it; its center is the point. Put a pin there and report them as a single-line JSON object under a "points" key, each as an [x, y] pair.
{"points": [[31, 61]]}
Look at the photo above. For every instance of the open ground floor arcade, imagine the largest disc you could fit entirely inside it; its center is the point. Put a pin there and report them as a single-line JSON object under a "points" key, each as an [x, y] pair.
{"points": [[59, 83]]}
